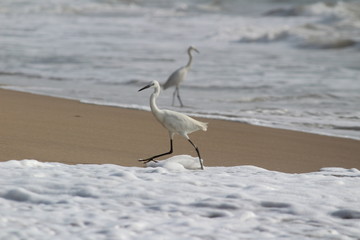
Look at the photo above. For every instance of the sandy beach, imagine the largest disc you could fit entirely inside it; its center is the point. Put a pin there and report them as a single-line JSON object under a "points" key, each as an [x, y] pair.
{"points": [[59, 130]]}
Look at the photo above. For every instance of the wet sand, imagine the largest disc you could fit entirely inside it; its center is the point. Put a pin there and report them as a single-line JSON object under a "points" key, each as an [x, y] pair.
{"points": [[60, 130]]}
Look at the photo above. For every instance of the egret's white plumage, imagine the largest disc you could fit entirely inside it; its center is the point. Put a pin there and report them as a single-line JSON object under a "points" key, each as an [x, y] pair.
{"points": [[174, 122], [177, 77]]}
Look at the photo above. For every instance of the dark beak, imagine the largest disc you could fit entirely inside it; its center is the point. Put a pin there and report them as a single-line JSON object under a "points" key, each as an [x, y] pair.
{"points": [[147, 86]]}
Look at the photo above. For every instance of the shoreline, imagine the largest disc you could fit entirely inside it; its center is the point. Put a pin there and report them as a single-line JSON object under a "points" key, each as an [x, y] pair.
{"points": [[54, 129]]}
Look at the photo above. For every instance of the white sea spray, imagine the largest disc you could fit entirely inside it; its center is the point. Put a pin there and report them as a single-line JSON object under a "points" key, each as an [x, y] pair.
{"points": [[57, 201]]}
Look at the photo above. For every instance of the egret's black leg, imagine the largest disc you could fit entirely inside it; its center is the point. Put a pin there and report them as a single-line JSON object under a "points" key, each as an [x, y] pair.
{"points": [[173, 100], [156, 156], [178, 96], [198, 153]]}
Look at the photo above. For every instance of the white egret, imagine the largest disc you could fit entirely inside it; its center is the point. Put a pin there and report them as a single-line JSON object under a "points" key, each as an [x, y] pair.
{"points": [[177, 77], [174, 122]]}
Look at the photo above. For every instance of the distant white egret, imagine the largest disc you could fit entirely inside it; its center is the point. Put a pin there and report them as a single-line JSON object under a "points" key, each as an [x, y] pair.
{"points": [[174, 122], [177, 77]]}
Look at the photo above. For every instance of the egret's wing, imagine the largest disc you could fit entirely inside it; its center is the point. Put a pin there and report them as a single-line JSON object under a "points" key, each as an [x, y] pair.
{"points": [[175, 78], [174, 121], [181, 123]]}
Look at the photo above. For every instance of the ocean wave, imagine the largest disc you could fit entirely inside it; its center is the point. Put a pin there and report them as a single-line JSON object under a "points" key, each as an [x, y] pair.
{"points": [[315, 125], [338, 10], [319, 30], [321, 26], [227, 87], [194, 86], [305, 36], [68, 7], [32, 76], [103, 8], [351, 128], [266, 36], [323, 43], [310, 96]]}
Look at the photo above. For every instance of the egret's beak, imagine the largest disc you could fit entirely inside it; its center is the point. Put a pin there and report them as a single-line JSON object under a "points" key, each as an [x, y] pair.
{"points": [[147, 86], [196, 50]]}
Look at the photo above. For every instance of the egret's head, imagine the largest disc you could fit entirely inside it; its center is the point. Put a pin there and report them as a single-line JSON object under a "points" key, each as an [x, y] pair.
{"points": [[192, 48], [154, 84]]}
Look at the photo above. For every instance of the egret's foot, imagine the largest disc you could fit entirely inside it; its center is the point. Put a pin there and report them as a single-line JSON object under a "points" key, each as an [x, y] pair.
{"points": [[145, 161]]}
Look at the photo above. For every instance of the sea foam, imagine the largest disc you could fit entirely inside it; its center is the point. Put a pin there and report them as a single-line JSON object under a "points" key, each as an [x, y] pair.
{"points": [[53, 200]]}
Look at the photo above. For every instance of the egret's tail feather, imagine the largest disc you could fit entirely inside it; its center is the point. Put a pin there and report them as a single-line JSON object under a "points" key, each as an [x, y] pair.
{"points": [[198, 125], [203, 126], [166, 85]]}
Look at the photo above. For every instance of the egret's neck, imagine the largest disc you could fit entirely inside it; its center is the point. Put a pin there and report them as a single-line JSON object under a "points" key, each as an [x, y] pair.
{"points": [[154, 108], [188, 65]]}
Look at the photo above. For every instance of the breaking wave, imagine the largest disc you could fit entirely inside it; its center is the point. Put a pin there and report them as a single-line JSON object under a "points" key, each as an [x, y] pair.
{"points": [[338, 10], [326, 26], [306, 36]]}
